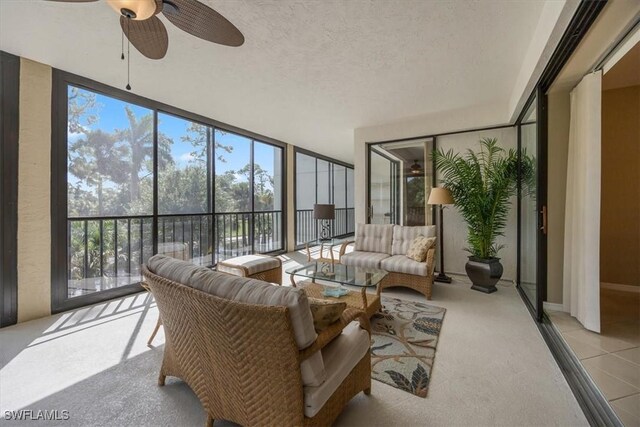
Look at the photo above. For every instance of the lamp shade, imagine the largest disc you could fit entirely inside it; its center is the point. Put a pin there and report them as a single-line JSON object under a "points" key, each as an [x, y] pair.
{"points": [[324, 211], [440, 196]]}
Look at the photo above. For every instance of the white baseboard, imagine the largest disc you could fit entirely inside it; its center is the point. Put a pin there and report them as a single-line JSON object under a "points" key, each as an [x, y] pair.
{"points": [[619, 287], [552, 306]]}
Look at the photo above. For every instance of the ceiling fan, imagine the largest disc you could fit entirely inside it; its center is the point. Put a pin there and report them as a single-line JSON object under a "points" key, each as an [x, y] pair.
{"points": [[147, 33]]}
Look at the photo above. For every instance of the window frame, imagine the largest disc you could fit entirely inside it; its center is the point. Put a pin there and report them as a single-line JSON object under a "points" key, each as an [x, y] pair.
{"points": [[59, 202]]}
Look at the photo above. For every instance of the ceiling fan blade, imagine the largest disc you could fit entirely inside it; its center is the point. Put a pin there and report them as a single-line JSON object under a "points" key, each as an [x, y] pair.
{"points": [[73, 1], [201, 21], [149, 36]]}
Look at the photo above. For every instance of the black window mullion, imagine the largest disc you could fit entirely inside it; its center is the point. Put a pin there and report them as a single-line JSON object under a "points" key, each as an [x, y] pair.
{"points": [[212, 194], [155, 182], [332, 194], [209, 183], [252, 215], [315, 222]]}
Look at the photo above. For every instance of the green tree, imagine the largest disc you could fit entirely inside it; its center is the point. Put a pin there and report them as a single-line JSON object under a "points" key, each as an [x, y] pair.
{"points": [[224, 183], [184, 190], [81, 105], [95, 159], [198, 135], [139, 138], [262, 186]]}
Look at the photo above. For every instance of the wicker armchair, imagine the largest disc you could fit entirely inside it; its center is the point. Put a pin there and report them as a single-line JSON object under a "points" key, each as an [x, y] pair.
{"points": [[242, 361]]}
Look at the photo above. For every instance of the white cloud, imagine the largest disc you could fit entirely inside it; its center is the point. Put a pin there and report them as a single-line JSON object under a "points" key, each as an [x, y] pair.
{"points": [[75, 136], [186, 158]]}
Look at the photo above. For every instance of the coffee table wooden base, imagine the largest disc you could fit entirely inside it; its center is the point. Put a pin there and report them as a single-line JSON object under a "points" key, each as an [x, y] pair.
{"points": [[369, 303]]}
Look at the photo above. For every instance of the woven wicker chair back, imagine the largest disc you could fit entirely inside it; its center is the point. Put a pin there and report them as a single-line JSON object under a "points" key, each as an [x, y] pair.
{"points": [[241, 360]]}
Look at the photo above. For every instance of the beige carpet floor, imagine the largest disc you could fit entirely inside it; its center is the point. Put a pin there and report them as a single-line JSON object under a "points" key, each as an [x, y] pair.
{"points": [[492, 368]]}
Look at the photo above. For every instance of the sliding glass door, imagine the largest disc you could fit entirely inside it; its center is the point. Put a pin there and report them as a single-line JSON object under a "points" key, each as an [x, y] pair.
{"points": [[383, 189], [401, 175], [532, 211]]}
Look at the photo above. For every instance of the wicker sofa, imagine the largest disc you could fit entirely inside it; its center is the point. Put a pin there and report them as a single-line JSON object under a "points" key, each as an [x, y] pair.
{"points": [[385, 246], [249, 351]]}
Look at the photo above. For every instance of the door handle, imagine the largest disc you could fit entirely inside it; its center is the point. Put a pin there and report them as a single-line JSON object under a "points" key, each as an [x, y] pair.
{"points": [[544, 220]]}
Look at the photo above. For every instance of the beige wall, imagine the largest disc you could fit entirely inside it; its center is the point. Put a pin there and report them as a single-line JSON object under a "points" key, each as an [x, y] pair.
{"points": [[34, 203], [620, 203], [558, 145]]}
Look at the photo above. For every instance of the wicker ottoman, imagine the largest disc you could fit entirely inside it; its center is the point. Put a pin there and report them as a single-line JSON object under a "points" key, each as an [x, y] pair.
{"points": [[262, 267]]}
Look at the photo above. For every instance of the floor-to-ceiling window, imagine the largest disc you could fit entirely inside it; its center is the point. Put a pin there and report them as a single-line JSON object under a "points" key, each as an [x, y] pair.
{"points": [[322, 180], [110, 157], [136, 179], [184, 189]]}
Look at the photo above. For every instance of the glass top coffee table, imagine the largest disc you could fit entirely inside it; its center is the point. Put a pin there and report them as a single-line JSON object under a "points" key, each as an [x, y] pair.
{"points": [[339, 275]]}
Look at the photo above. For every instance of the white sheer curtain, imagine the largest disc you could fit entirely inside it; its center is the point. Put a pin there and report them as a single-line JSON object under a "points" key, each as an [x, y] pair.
{"points": [[582, 212]]}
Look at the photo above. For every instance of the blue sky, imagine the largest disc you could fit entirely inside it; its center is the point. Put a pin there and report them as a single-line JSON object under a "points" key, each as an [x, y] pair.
{"points": [[111, 116]]}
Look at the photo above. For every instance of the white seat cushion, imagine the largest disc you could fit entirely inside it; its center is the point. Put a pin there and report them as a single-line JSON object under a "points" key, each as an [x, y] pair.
{"points": [[253, 263], [340, 357], [250, 291], [403, 236], [404, 264], [363, 259]]}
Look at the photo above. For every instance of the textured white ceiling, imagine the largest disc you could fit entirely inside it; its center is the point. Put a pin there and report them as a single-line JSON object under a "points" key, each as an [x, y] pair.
{"points": [[310, 72]]}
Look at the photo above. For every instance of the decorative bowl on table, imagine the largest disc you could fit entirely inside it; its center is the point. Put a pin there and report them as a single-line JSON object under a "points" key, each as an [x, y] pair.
{"points": [[334, 291]]}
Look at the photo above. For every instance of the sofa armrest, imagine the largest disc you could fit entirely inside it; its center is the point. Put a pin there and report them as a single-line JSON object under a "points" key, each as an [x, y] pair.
{"points": [[343, 248], [334, 330]]}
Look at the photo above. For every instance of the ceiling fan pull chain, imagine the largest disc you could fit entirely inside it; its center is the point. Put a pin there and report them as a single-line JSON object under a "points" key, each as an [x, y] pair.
{"points": [[128, 58], [122, 46]]}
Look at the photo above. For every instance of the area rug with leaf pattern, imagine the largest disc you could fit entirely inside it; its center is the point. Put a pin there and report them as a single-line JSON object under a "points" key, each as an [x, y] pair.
{"points": [[403, 348]]}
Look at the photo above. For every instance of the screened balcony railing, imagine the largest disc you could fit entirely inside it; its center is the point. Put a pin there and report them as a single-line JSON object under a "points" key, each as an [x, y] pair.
{"points": [[306, 226], [107, 252]]}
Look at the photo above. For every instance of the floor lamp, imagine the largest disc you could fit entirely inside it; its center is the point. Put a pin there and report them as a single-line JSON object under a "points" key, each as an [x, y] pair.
{"points": [[441, 196]]}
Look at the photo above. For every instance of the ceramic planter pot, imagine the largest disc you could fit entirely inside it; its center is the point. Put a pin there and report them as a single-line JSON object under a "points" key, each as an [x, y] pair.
{"points": [[484, 273]]}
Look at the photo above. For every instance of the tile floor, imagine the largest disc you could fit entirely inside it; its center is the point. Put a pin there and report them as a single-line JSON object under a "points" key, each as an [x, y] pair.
{"points": [[612, 358]]}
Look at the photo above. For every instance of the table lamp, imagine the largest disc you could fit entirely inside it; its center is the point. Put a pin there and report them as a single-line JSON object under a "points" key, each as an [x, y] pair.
{"points": [[324, 213]]}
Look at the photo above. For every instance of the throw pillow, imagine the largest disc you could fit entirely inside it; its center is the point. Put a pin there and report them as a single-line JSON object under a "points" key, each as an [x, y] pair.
{"points": [[419, 248], [325, 312]]}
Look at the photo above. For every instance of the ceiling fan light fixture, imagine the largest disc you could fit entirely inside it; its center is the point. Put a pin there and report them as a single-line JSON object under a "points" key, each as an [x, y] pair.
{"points": [[138, 10], [416, 169]]}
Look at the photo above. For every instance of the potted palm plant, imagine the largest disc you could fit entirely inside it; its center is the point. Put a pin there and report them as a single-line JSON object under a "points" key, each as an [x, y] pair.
{"points": [[482, 185]]}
